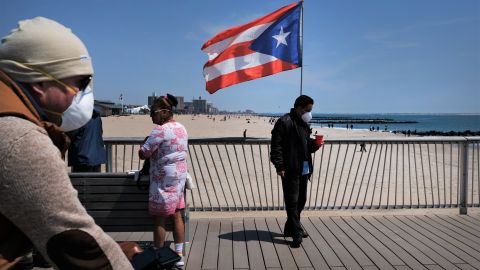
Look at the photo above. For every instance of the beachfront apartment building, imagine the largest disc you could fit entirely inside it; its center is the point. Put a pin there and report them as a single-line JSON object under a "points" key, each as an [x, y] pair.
{"points": [[200, 105]]}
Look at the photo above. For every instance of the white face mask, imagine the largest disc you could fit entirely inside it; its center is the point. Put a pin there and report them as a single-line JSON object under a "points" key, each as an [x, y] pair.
{"points": [[306, 117], [79, 112]]}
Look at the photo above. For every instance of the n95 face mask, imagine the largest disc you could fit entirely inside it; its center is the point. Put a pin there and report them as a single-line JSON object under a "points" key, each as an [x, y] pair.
{"points": [[306, 117], [79, 112]]}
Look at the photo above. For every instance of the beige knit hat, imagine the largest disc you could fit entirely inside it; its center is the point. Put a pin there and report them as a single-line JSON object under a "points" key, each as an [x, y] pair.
{"points": [[41, 46]]}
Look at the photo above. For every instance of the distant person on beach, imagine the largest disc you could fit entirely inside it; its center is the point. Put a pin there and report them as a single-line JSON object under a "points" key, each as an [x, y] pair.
{"points": [[291, 154], [87, 149], [245, 133], [362, 147], [44, 73], [167, 148]]}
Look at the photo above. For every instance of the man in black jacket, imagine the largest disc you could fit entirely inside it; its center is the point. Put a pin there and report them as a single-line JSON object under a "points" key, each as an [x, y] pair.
{"points": [[290, 153]]}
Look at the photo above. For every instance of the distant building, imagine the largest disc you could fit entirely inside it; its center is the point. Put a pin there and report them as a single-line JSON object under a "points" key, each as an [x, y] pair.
{"points": [[195, 106], [249, 112], [151, 99], [200, 105], [181, 104], [107, 108], [211, 109], [189, 107]]}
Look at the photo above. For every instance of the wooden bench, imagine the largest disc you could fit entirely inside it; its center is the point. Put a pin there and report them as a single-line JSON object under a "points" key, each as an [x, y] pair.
{"points": [[117, 204]]}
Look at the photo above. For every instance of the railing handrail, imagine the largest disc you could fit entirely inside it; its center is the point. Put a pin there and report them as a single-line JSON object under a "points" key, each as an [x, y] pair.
{"points": [[395, 172], [433, 139]]}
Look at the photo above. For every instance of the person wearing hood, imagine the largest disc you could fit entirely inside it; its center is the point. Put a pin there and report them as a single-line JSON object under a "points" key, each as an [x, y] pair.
{"points": [[45, 73], [291, 154]]}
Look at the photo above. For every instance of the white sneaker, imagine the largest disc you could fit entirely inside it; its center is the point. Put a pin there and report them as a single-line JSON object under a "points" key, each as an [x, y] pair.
{"points": [[180, 264]]}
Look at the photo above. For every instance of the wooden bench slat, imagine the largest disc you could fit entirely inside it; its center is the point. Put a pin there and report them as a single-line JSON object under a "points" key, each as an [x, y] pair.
{"points": [[116, 206], [122, 197], [124, 221], [119, 214], [118, 189], [115, 202], [104, 181], [123, 228]]}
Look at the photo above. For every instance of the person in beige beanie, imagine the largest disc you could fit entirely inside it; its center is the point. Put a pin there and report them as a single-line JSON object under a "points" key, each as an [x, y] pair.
{"points": [[44, 73]]}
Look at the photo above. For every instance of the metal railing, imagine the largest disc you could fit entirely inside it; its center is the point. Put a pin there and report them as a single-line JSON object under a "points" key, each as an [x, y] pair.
{"points": [[236, 174]]}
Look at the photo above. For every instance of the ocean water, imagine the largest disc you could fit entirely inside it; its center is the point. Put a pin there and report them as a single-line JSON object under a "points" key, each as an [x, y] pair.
{"points": [[425, 122]]}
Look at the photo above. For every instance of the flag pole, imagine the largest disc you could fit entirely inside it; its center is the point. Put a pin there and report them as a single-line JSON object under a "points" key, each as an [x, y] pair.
{"points": [[301, 48]]}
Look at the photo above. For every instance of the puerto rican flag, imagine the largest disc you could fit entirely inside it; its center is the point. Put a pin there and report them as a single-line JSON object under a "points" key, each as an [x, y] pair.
{"points": [[260, 48]]}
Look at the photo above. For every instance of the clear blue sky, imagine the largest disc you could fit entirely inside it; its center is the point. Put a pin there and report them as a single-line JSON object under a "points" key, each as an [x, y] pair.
{"points": [[359, 56]]}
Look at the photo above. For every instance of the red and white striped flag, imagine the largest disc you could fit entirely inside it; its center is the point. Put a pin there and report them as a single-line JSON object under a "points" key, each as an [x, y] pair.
{"points": [[263, 47]]}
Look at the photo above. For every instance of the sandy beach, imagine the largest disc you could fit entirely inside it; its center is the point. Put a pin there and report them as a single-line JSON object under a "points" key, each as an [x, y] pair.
{"points": [[203, 126]]}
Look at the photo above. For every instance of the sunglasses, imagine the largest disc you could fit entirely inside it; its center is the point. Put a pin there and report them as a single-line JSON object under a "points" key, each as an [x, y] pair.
{"points": [[82, 85], [156, 111], [84, 82]]}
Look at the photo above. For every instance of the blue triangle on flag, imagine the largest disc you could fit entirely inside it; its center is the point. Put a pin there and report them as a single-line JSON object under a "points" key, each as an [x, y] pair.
{"points": [[282, 38]]}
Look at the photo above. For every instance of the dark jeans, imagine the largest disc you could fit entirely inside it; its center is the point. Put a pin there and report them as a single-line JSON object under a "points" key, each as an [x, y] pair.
{"points": [[86, 168], [295, 195]]}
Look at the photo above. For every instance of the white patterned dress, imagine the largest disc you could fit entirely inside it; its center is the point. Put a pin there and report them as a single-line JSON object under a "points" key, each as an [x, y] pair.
{"points": [[167, 148]]}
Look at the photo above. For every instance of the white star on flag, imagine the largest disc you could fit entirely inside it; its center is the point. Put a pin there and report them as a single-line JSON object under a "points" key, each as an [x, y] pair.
{"points": [[281, 37]]}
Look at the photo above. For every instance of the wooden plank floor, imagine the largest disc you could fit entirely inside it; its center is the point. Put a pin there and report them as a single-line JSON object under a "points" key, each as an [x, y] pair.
{"points": [[339, 242]]}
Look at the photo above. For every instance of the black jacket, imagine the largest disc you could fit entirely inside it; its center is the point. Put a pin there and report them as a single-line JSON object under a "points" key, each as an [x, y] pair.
{"points": [[291, 144]]}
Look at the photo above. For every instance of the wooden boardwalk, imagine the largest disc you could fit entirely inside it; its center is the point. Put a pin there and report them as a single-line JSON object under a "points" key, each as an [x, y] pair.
{"points": [[337, 242]]}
